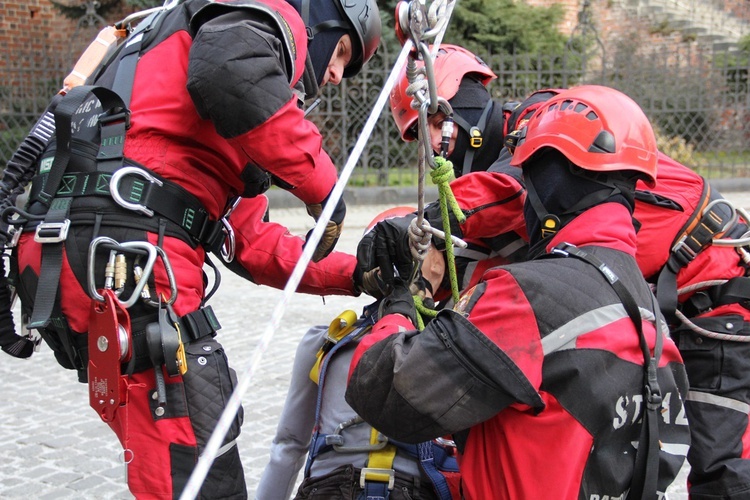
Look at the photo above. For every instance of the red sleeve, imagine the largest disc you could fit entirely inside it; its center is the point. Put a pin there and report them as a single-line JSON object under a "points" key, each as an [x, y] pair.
{"points": [[492, 202], [269, 252], [291, 148], [514, 330]]}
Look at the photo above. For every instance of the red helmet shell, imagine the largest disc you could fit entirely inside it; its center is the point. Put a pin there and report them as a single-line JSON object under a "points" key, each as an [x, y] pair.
{"points": [[451, 64], [391, 213], [597, 128]]}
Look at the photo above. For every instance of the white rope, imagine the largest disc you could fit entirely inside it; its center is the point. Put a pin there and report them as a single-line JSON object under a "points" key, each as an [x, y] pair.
{"points": [[227, 417]]}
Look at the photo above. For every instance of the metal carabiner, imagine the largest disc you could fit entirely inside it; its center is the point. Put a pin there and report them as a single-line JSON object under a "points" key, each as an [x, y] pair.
{"points": [[170, 277], [142, 245], [228, 246], [114, 183], [740, 242]]}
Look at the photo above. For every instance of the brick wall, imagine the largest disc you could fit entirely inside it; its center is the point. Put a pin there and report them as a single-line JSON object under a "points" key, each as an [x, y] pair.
{"points": [[36, 26], [613, 24], [571, 8]]}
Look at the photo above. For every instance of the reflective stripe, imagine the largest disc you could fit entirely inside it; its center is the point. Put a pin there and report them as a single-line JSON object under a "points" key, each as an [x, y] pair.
{"points": [[468, 253], [226, 448], [724, 402], [565, 336], [510, 248], [675, 448]]}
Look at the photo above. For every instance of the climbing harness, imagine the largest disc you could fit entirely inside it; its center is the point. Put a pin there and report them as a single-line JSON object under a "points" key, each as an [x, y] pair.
{"points": [[436, 459]]}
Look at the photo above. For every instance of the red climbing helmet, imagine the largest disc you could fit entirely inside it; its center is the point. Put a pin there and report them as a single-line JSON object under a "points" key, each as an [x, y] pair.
{"points": [[597, 128], [451, 64], [390, 213]]}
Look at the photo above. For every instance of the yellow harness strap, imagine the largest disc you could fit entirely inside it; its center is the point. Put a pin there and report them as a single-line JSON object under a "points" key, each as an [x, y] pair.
{"points": [[380, 462], [339, 328]]}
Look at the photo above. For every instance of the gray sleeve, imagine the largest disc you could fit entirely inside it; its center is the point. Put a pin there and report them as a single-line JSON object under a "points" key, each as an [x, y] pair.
{"points": [[290, 444], [236, 73]]}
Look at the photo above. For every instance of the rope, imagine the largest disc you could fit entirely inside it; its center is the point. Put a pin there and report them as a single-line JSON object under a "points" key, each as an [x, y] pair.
{"points": [[702, 331], [442, 175], [422, 311]]}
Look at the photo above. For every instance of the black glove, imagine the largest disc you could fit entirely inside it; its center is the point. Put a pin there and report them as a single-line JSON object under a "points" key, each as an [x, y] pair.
{"points": [[333, 228], [381, 252], [399, 301]]}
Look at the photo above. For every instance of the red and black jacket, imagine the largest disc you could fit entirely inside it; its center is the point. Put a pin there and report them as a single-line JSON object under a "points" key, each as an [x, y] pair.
{"points": [[541, 364]]}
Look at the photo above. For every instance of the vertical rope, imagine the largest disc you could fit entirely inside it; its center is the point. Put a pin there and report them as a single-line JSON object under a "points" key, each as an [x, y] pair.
{"points": [[442, 175]]}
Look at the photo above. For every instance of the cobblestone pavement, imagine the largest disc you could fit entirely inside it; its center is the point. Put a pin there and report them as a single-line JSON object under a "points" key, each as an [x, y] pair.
{"points": [[54, 446]]}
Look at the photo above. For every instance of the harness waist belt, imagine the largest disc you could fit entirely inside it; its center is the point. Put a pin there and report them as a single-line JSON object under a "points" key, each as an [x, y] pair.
{"points": [[142, 191]]}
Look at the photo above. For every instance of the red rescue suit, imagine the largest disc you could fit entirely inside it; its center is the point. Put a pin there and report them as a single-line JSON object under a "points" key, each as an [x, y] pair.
{"points": [[545, 375], [216, 88]]}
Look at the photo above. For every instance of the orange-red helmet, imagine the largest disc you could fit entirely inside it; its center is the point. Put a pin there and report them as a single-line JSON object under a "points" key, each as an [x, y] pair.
{"points": [[451, 64], [400, 211], [597, 128]]}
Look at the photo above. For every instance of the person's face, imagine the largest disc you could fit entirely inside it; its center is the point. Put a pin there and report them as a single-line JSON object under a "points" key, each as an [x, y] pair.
{"points": [[433, 267], [342, 56], [435, 123]]}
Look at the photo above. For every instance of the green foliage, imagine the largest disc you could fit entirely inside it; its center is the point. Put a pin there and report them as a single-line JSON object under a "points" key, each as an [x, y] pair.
{"points": [[736, 65], [506, 26]]}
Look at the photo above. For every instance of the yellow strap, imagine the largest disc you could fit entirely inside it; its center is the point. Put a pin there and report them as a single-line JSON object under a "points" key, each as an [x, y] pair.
{"points": [[379, 459], [339, 328]]}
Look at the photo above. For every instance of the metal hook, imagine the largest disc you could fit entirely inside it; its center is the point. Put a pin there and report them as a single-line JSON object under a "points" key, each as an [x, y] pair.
{"points": [[150, 249], [114, 184]]}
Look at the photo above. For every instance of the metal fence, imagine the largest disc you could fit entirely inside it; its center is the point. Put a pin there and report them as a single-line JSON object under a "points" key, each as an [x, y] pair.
{"points": [[697, 98]]}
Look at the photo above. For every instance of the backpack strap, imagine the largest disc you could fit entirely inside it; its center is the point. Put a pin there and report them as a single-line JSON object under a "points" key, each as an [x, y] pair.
{"points": [[53, 231], [646, 468], [711, 219]]}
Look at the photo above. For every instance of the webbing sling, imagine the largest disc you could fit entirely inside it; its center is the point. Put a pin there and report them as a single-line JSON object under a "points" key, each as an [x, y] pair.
{"points": [[378, 476], [646, 470]]}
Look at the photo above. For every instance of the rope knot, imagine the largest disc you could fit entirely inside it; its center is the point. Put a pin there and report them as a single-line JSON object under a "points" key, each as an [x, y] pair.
{"points": [[443, 171]]}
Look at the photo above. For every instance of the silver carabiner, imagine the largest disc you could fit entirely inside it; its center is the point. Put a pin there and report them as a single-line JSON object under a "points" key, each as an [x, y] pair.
{"points": [[143, 245], [114, 183], [170, 278], [228, 246]]}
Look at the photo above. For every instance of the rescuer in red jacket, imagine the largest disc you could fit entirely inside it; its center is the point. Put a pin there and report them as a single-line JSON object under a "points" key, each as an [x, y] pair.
{"points": [[208, 93], [703, 290], [540, 370]]}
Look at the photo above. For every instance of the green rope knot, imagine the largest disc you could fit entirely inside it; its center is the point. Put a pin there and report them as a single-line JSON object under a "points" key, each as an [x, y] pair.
{"points": [[422, 311], [442, 175]]}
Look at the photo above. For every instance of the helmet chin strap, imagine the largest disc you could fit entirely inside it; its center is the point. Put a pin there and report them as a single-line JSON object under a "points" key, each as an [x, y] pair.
{"points": [[475, 133]]}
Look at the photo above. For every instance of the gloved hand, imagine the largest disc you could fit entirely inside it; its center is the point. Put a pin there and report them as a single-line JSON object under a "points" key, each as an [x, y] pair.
{"points": [[333, 228], [383, 251], [399, 301]]}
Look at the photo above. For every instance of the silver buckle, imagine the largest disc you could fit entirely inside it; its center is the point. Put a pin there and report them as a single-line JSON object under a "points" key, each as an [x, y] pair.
{"points": [[114, 183], [61, 229], [390, 472]]}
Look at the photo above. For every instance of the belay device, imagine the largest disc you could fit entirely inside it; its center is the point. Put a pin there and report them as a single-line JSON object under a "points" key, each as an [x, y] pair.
{"points": [[109, 347]]}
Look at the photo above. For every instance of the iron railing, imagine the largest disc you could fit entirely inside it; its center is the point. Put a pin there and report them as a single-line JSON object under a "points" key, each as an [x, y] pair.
{"points": [[698, 98]]}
